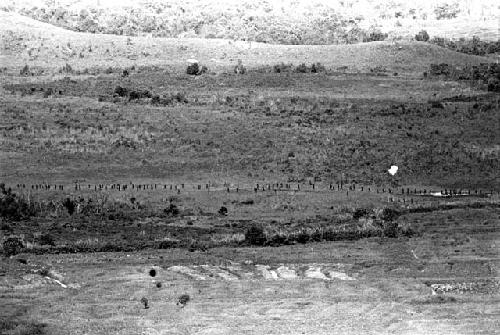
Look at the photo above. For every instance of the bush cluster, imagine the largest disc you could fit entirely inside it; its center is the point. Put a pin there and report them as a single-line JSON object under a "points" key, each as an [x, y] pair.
{"points": [[14, 207], [248, 21], [474, 46], [422, 36], [301, 68]]}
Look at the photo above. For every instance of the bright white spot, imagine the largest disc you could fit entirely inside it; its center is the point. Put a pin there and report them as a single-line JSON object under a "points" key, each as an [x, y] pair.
{"points": [[192, 61], [393, 170]]}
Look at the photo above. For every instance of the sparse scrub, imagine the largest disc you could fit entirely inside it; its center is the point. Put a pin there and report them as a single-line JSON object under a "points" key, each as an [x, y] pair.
{"points": [[172, 210], [14, 207], [25, 71], [446, 11], [47, 239], [12, 246], [255, 236], [196, 70], [66, 69]]}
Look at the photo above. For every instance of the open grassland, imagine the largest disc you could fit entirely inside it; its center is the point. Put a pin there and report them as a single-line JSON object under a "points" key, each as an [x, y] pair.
{"points": [[264, 197], [363, 287]]}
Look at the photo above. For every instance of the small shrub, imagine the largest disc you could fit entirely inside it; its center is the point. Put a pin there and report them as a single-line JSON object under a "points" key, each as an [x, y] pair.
{"points": [[223, 211], [282, 67], [183, 300], [167, 244], [240, 69], [197, 246], [193, 69], [255, 236], [12, 206], [172, 210], [278, 240], [25, 71], [317, 68], [70, 205], [180, 97], [125, 73], [375, 36], [46, 239], [120, 91], [12, 246], [447, 11], [66, 69], [390, 229], [422, 36], [302, 68], [359, 213], [302, 237], [136, 95], [389, 214]]}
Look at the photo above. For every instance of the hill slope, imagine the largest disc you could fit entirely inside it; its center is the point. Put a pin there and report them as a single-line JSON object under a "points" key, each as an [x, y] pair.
{"points": [[27, 41], [278, 22]]}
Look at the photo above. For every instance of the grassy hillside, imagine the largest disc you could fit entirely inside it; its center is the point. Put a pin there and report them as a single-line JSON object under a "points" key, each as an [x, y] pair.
{"points": [[27, 41], [282, 22]]}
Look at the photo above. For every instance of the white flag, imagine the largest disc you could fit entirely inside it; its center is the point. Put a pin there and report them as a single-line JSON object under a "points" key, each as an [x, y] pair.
{"points": [[393, 170]]}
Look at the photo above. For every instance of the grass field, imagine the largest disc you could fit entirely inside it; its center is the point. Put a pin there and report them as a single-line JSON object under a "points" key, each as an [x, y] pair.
{"points": [[263, 196]]}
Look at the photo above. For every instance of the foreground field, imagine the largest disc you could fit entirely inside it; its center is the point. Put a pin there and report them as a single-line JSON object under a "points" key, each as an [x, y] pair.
{"points": [[364, 287]]}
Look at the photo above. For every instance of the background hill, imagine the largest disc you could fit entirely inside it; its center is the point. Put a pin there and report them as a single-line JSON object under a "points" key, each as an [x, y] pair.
{"points": [[282, 22], [28, 41]]}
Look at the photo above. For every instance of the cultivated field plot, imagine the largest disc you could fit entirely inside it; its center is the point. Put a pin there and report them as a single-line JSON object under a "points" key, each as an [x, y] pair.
{"points": [[138, 199]]}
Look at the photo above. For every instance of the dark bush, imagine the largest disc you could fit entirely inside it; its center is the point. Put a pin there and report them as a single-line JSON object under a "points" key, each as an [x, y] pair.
{"points": [[180, 97], [282, 67], [168, 244], [317, 68], [389, 214], [12, 206], [390, 229], [193, 69], [197, 246], [125, 73], [135, 95], [422, 36], [302, 68], [277, 240], [120, 91], [47, 239], [375, 36], [6, 228], [172, 210], [493, 85], [70, 205], [359, 213], [255, 236], [437, 104], [223, 211], [303, 237], [12, 246]]}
